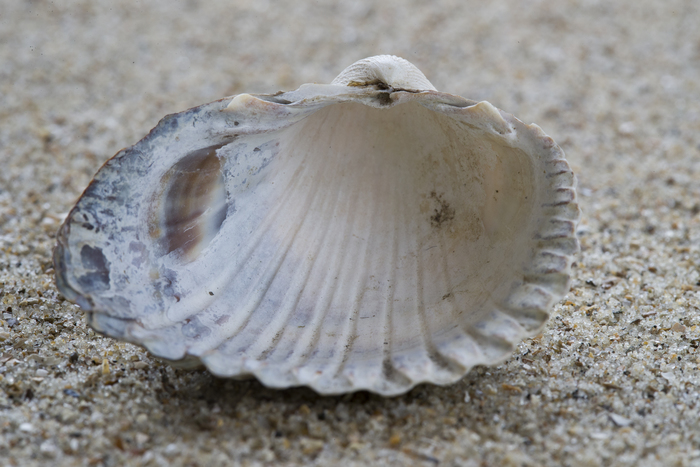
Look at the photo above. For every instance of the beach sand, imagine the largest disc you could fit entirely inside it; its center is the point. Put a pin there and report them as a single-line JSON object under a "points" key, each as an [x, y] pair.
{"points": [[612, 379]]}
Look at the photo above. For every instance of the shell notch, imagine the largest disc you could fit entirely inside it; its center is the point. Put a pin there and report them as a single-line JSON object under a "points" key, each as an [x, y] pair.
{"points": [[372, 233]]}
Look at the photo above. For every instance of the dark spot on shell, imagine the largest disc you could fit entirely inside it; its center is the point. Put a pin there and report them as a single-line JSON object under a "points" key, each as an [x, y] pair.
{"points": [[384, 98], [94, 260], [377, 83], [443, 214], [221, 320]]}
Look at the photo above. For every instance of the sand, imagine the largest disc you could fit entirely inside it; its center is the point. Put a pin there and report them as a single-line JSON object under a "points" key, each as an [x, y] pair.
{"points": [[612, 379]]}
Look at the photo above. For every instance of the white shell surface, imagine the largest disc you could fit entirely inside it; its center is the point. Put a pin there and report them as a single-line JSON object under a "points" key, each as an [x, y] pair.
{"points": [[368, 234]]}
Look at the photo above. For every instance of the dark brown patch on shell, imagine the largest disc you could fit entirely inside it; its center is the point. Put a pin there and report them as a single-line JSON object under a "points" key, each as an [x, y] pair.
{"points": [[443, 214]]}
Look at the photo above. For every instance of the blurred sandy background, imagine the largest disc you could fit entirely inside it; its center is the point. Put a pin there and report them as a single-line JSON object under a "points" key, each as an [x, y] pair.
{"points": [[613, 379]]}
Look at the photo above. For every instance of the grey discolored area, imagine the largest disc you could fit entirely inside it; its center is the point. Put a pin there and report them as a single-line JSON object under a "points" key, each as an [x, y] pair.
{"points": [[97, 279], [195, 330], [611, 381]]}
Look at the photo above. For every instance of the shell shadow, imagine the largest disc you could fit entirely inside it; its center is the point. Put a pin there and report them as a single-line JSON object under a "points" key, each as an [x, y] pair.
{"points": [[204, 402]]}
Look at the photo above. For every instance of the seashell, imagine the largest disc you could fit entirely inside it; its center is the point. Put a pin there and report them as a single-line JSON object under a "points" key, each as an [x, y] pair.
{"points": [[372, 234]]}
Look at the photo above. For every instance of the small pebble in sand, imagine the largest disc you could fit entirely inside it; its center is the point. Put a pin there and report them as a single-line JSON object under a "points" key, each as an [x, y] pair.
{"points": [[677, 327]]}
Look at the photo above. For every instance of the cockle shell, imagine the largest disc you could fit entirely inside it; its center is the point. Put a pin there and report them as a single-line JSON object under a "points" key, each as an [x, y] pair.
{"points": [[372, 233]]}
